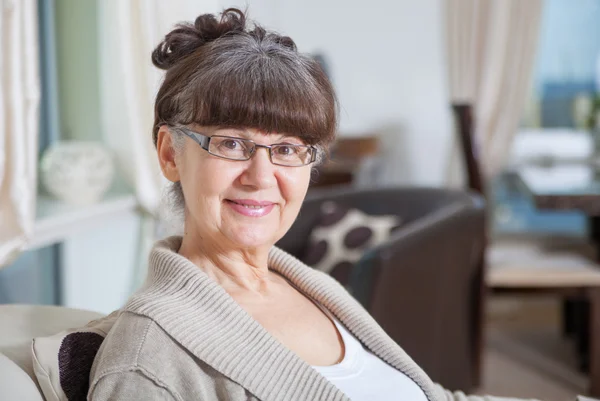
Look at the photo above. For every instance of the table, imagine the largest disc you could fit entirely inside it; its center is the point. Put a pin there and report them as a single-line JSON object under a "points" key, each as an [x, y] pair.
{"points": [[573, 186], [334, 173], [566, 187], [345, 160]]}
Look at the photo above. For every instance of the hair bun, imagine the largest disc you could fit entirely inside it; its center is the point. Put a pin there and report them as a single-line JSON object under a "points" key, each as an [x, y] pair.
{"points": [[187, 38]]}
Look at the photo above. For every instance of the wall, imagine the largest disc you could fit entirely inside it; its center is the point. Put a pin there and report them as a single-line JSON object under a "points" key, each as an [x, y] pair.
{"points": [[388, 64], [31, 278], [98, 264]]}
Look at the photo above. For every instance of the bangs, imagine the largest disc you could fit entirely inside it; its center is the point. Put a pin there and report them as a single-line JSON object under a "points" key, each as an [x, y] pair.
{"points": [[256, 90]]}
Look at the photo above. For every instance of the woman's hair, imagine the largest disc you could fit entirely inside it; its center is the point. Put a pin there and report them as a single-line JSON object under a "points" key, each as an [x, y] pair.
{"points": [[222, 72]]}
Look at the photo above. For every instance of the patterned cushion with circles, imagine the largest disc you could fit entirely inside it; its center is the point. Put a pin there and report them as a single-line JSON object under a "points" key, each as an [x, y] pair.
{"points": [[342, 235], [62, 362]]}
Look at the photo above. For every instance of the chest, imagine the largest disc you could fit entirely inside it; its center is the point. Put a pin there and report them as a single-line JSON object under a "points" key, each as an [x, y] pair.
{"points": [[300, 325], [363, 376]]}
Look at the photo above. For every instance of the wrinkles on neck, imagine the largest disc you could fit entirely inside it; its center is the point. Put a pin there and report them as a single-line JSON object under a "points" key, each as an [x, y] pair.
{"points": [[233, 269]]}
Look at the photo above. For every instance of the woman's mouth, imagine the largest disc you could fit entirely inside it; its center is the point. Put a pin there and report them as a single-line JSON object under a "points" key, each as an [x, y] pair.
{"points": [[250, 207]]}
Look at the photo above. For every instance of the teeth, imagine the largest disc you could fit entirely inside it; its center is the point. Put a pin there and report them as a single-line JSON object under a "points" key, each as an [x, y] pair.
{"points": [[250, 206]]}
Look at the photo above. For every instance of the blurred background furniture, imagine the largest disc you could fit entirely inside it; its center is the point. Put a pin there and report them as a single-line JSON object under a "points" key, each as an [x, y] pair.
{"points": [[577, 190], [20, 324], [523, 268], [530, 265], [422, 286], [348, 156]]}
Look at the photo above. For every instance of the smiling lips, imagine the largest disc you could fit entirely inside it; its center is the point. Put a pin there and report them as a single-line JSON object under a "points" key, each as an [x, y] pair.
{"points": [[250, 207]]}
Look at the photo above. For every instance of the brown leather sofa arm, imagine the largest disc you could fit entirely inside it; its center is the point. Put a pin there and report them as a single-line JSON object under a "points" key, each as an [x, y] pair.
{"points": [[417, 248], [410, 203], [422, 286]]}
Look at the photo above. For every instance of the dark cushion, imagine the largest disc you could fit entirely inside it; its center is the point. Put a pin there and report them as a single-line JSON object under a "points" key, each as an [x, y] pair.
{"points": [[62, 362]]}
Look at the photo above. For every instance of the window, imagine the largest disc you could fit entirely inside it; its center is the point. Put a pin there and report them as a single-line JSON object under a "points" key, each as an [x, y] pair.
{"points": [[568, 65], [565, 80]]}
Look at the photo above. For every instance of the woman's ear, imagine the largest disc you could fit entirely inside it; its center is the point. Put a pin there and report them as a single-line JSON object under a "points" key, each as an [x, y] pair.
{"points": [[166, 154]]}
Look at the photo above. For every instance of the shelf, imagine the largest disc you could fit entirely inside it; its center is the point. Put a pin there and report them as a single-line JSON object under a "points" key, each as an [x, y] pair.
{"points": [[56, 220]]}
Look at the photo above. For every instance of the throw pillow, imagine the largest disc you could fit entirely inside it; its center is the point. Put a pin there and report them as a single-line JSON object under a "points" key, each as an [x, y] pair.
{"points": [[62, 362], [342, 235]]}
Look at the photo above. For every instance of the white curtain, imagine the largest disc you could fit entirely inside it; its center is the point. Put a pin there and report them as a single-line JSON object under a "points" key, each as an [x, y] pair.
{"points": [[128, 32], [491, 47], [19, 105]]}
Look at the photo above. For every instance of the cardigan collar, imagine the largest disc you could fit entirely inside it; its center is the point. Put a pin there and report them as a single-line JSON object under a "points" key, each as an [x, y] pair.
{"points": [[199, 314]]}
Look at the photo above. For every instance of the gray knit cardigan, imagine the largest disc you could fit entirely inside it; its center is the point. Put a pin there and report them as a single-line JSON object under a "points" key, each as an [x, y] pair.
{"points": [[182, 337]]}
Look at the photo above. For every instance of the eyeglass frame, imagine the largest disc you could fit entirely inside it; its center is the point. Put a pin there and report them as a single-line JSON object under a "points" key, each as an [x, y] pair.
{"points": [[204, 142]]}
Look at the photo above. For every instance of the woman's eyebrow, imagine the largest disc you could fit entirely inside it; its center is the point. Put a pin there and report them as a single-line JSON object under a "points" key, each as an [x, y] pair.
{"points": [[245, 134], [231, 131], [294, 139]]}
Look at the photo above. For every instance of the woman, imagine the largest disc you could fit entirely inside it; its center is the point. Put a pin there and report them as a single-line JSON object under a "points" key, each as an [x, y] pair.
{"points": [[224, 315]]}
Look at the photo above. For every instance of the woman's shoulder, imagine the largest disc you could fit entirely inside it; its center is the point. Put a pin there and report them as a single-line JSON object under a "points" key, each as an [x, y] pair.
{"points": [[138, 347], [122, 364], [134, 342], [126, 342]]}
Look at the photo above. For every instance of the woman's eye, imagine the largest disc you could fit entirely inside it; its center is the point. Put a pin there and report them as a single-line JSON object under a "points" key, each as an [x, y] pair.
{"points": [[286, 150], [231, 144]]}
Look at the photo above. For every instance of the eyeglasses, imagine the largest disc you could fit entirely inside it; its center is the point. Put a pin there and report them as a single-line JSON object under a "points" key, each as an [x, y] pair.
{"points": [[232, 148]]}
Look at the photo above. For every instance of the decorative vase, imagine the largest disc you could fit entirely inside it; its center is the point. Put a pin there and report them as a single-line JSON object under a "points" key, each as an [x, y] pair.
{"points": [[77, 172]]}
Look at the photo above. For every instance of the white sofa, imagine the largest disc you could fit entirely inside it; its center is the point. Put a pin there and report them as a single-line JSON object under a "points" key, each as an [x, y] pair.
{"points": [[19, 324]]}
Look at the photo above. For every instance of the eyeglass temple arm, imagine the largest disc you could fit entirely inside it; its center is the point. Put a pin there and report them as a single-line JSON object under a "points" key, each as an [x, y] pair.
{"points": [[202, 140]]}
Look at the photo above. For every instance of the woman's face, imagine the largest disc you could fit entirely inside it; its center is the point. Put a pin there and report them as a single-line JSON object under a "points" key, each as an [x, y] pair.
{"points": [[247, 204]]}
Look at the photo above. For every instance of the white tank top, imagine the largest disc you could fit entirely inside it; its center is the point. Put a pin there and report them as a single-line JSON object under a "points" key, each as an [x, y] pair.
{"points": [[362, 376]]}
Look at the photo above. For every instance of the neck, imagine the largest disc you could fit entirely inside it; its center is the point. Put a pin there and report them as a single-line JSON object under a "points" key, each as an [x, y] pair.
{"points": [[233, 269]]}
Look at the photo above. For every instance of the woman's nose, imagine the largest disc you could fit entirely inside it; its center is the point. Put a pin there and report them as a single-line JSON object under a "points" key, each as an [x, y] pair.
{"points": [[260, 172]]}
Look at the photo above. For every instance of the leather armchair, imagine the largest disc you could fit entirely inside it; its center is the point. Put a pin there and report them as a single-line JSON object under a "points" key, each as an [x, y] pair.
{"points": [[424, 285]]}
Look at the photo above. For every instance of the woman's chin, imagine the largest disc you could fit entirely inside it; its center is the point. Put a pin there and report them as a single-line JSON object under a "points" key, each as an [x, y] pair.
{"points": [[251, 238], [247, 232]]}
